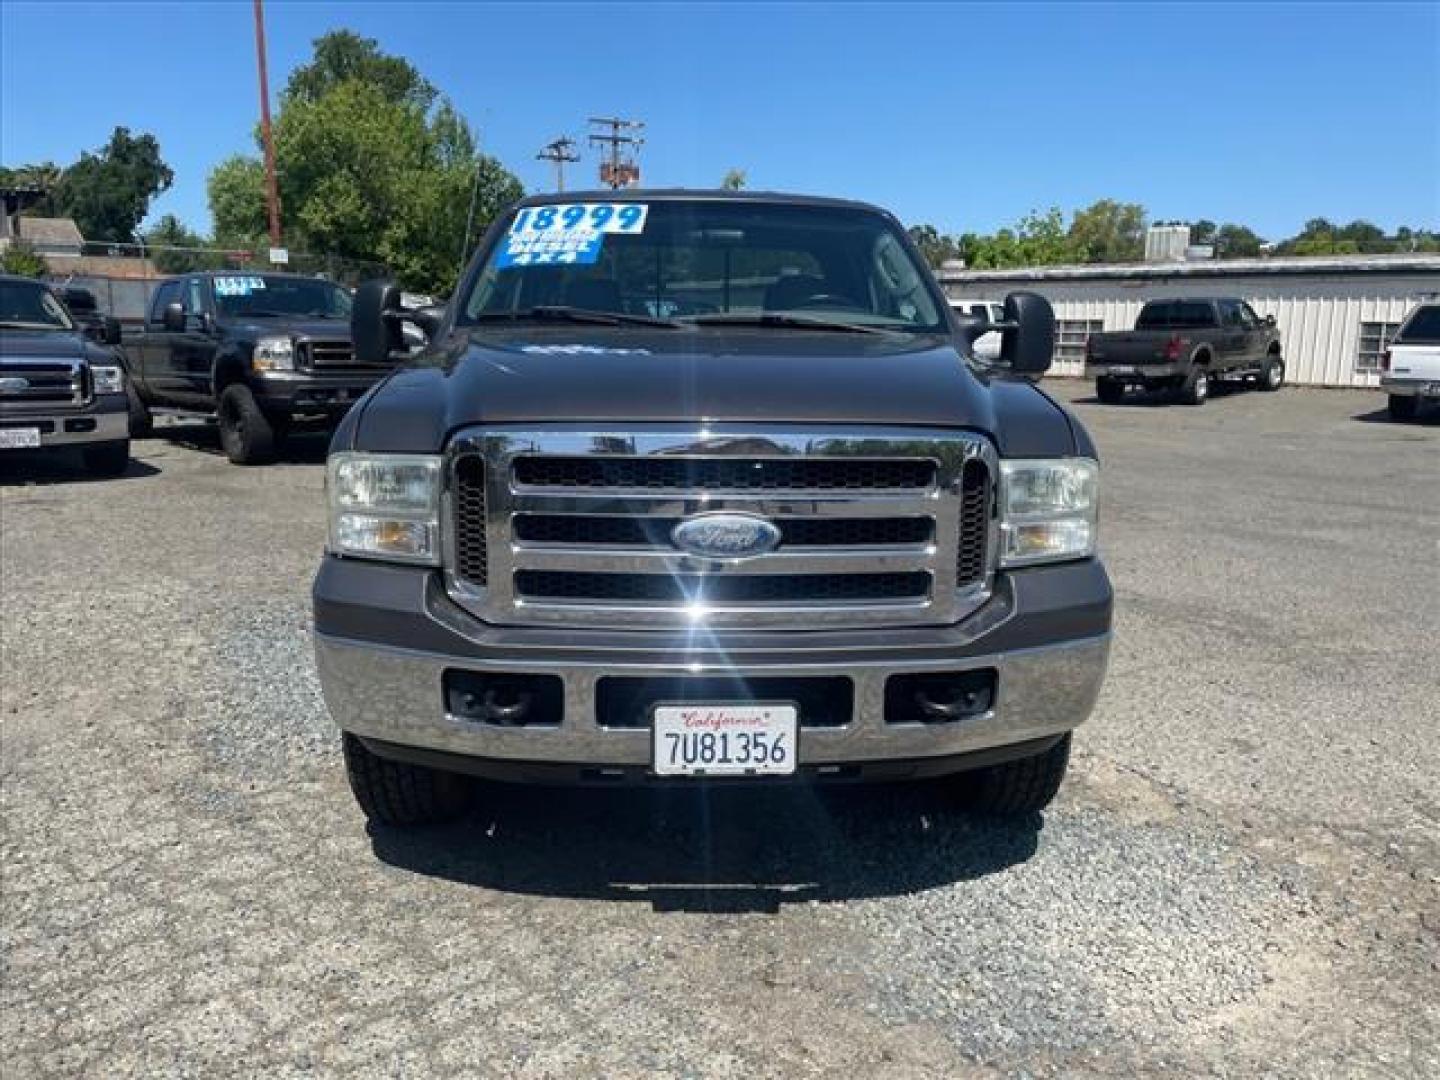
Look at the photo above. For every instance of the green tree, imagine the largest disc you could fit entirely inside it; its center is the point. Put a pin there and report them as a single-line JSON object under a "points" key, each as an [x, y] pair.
{"points": [[1201, 232], [734, 180], [108, 193], [170, 233], [936, 247], [372, 165], [20, 258], [1109, 231], [236, 191], [1236, 242]]}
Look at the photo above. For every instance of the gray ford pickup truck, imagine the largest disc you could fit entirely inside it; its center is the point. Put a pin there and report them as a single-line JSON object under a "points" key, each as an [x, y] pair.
{"points": [[262, 351], [1184, 346], [706, 488], [61, 387]]}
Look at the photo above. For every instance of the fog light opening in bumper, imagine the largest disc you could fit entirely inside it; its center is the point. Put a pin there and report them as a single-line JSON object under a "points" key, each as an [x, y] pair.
{"points": [[939, 697], [505, 700]]}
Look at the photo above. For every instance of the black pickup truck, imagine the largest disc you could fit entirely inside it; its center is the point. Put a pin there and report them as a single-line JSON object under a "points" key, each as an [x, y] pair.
{"points": [[1184, 346], [260, 351], [701, 488], [62, 386]]}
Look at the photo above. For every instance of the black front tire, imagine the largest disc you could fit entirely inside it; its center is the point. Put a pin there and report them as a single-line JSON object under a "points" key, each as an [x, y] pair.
{"points": [[1110, 391], [142, 421], [401, 794], [1403, 407], [246, 435], [107, 458], [1014, 788], [1272, 373], [1195, 389]]}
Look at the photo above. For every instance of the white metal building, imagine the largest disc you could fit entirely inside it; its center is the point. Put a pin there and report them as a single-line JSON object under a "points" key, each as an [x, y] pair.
{"points": [[1335, 313]]}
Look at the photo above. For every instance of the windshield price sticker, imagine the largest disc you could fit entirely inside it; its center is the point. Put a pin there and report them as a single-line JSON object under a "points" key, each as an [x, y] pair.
{"points": [[569, 234], [238, 286]]}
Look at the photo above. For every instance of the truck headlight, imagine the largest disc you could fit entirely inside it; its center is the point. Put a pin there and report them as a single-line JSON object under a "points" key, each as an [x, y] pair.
{"points": [[1048, 510], [109, 379], [385, 506], [273, 354]]}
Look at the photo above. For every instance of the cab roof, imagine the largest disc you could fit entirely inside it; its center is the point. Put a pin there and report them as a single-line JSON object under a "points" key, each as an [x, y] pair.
{"points": [[653, 195]]}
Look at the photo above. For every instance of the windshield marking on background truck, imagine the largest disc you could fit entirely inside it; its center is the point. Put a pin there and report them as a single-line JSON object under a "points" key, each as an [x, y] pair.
{"points": [[238, 286]]}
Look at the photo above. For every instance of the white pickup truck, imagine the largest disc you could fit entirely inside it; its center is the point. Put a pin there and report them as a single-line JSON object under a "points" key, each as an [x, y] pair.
{"points": [[1410, 366]]}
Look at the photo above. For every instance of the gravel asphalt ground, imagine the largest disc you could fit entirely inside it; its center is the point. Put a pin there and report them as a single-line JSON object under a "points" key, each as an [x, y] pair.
{"points": [[1241, 876]]}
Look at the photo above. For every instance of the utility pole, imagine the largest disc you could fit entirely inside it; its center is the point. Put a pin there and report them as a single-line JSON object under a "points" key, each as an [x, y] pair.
{"points": [[560, 151], [620, 171], [272, 192]]}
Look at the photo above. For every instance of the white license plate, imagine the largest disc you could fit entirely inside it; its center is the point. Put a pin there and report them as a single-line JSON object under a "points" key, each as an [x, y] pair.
{"points": [[1121, 369], [19, 438], [740, 739]]}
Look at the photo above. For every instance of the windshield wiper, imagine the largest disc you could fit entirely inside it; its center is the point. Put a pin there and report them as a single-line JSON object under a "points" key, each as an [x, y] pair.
{"points": [[796, 322], [564, 313]]}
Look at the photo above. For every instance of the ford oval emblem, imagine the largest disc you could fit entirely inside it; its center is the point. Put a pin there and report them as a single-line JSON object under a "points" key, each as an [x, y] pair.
{"points": [[725, 536]]}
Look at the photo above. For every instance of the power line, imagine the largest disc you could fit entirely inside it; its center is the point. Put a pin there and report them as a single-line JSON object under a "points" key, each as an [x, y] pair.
{"points": [[621, 138], [559, 152]]}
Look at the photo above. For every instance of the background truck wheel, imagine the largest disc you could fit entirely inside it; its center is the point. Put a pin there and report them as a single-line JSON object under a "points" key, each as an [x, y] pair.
{"points": [[1272, 373], [142, 422], [107, 458], [397, 793], [1402, 407], [1109, 391], [245, 434], [1195, 389], [1025, 786]]}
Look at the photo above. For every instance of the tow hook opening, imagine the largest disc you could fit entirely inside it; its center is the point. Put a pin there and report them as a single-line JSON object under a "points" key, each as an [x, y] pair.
{"points": [[505, 700], [939, 697]]}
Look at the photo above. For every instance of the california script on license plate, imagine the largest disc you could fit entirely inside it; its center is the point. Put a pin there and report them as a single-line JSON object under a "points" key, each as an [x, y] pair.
{"points": [[19, 438], [740, 739]]}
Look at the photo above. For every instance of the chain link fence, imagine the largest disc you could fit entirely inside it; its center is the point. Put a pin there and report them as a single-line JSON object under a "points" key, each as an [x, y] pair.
{"points": [[123, 277]]}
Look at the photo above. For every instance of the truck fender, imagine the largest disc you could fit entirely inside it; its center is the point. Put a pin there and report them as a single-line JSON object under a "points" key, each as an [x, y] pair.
{"points": [[229, 367]]}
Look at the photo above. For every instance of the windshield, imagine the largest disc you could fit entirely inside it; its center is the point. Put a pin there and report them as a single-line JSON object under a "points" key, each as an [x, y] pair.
{"points": [[698, 261], [29, 305], [262, 295], [1168, 314], [1423, 327]]}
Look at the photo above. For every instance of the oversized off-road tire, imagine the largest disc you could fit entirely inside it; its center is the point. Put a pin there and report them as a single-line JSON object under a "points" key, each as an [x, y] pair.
{"points": [[1196, 388], [1110, 391], [1272, 373], [245, 432], [142, 421], [107, 458], [1402, 407], [1025, 786], [397, 793]]}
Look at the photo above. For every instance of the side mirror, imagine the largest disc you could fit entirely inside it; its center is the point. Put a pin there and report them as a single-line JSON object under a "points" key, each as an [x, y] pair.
{"points": [[111, 330], [1027, 343], [174, 317], [374, 322]]}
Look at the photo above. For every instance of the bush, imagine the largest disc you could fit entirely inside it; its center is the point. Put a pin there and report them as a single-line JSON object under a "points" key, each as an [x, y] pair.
{"points": [[20, 258]]}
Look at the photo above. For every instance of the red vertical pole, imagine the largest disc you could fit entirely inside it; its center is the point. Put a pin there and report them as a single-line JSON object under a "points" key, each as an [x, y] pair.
{"points": [[272, 191]]}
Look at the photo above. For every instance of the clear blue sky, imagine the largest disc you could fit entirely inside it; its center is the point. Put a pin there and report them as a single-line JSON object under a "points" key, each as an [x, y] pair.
{"points": [[964, 116]]}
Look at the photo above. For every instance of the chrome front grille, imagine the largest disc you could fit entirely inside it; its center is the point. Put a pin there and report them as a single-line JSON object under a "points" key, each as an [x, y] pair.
{"points": [[326, 354], [569, 526], [45, 383]]}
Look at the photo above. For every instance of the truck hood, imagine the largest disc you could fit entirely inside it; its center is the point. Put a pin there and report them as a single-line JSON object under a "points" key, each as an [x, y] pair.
{"points": [[41, 345], [322, 329], [616, 377]]}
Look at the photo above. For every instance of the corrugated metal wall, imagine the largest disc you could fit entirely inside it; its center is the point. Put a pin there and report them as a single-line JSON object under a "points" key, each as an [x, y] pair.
{"points": [[1319, 317]]}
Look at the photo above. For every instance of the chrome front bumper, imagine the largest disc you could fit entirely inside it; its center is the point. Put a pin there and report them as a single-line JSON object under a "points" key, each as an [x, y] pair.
{"points": [[395, 695], [56, 428]]}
